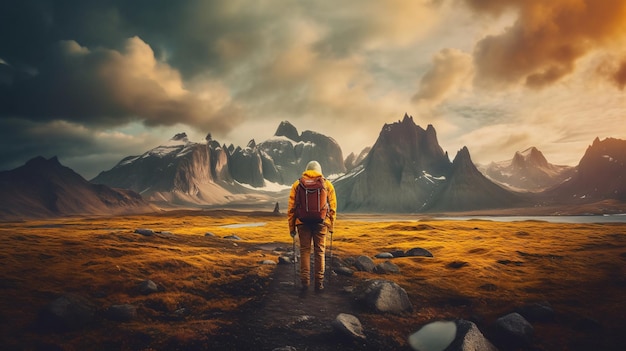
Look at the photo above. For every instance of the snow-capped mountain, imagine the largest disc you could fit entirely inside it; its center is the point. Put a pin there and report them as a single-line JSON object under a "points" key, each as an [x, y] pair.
{"points": [[527, 171], [181, 171]]}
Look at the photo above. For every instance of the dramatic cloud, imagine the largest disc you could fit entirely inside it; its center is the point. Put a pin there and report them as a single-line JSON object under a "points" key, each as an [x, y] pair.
{"points": [[620, 76], [107, 87], [546, 40], [450, 69]]}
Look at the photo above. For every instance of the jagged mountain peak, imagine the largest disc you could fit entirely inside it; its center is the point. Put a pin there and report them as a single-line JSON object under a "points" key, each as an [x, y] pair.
{"points": [[181, 137], [288, 130], [528, 158]]}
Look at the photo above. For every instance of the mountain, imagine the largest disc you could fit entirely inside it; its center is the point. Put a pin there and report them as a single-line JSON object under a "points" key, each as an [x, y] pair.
{"points": [[287, 153], [527, 171], [467, 189], [45, 188], [209, 173], [600, 175], [352, 160], [180, 172], [407, 171]]}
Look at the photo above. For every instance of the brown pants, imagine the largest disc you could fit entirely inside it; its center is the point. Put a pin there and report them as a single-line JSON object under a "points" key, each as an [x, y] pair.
{"points": [[315, 233]]}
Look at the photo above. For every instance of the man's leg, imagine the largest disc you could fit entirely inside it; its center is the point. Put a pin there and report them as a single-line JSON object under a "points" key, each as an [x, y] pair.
{"points": [[305, 255], [319, 243]]}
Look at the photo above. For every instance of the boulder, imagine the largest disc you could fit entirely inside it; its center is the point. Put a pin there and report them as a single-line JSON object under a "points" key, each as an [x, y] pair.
{"points": [[384, 296], [459, 335], [513, 331], [365, 264], [386, 267], [69, 312], [348, 325]]}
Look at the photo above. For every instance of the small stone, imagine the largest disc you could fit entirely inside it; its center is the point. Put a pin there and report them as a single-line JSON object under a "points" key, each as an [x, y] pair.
{"points": [[345, 271], [384, 255], [147, 287], [418, 251], [122, 313], [232, 237], [144, 231], [268, 262]]}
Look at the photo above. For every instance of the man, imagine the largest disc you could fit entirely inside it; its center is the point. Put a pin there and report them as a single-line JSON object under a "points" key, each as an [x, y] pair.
{"points": [[312, 231]]}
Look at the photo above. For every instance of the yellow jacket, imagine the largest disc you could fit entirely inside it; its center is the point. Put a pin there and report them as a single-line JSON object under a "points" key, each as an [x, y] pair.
{"points": [[332, 202]]}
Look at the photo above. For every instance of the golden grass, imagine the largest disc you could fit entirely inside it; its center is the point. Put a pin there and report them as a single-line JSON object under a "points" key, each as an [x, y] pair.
{"points": [[577, 268]]}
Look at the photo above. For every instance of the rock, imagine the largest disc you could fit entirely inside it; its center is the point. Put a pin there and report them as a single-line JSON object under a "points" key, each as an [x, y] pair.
{"points": [[418, 251], [144, 231], [469, 338], [513, 331], [268, 262], [285, 260], [459, 335], [457, 264], [232, 237], [209, 234], [384, 296], [348, 325], [285, 348], [384, 255], [147, 287], [69, 312], [122, 313], [488, 287], [386, 268], [537, 312], [345, 271], [365, 264], [398, 253]]}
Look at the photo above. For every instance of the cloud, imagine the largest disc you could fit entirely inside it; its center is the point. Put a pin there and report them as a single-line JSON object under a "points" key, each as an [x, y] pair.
{"points": [[85, 150], [546, 40], [108, 87], [620, 75], [450, 69]]}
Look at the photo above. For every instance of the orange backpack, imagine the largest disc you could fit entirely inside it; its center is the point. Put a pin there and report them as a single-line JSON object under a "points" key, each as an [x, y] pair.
{"points": [[312, 200]]}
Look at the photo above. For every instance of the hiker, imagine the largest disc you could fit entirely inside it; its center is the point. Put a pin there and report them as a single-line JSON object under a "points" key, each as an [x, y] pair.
{"points": [[312, 211]]}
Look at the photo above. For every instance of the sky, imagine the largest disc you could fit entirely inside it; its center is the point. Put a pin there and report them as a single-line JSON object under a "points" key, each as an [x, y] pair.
{"points": [[94, 81]]}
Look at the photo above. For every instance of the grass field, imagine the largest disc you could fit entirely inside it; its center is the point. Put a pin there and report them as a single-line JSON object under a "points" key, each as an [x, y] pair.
{"points": [[481, 270]]}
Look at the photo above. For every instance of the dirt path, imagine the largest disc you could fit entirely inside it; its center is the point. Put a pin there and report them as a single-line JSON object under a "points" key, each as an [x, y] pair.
{"points": [[285, 316]]}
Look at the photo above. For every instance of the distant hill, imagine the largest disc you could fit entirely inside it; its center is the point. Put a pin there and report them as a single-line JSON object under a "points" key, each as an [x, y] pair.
{"points": [[600, 175], [527, 171], [45, 188]]}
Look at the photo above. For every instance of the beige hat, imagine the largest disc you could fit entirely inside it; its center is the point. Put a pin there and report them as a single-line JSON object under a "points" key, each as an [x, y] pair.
{"points": [[314, 166]]}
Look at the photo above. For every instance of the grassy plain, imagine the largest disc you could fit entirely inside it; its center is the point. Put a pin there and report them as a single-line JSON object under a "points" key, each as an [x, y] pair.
{"points": [[480, 271]]}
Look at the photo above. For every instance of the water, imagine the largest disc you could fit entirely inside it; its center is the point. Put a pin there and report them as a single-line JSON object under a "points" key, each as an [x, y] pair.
{"points": [[618, 218], [244, 225], [434, 336]]}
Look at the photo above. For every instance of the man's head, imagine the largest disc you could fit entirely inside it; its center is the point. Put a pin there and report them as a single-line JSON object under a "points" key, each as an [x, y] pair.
{"points": [[314, 166]]}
